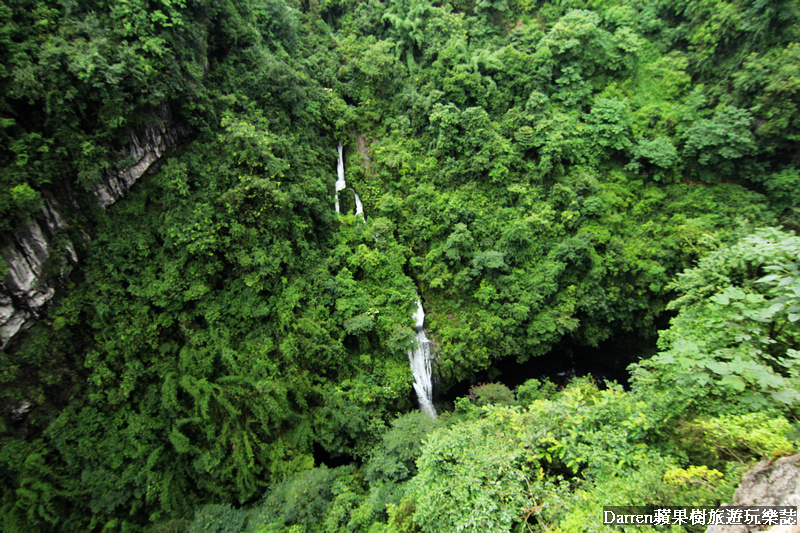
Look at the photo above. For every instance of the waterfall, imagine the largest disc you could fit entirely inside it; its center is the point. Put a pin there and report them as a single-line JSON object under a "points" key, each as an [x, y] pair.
{"points": [[421, 359], [421, 356], [340, 184], [359, 207]]}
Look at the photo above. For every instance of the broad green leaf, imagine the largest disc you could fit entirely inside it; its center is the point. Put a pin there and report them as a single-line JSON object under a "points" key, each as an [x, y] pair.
{"points": [[734, 382]]}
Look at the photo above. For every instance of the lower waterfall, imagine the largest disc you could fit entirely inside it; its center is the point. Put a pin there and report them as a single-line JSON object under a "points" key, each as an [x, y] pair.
{"points": [[421, 359], [340, 183], [359, 207]]}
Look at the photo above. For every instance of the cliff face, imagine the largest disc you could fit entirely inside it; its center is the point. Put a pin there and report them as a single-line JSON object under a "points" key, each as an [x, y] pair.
{"points": [[29, 285], [21, 294], [145, 148]]}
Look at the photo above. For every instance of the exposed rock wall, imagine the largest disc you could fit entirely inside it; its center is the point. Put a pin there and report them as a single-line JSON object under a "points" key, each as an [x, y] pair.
{"points": [[21, 294], [24, 292], [145, 148]]}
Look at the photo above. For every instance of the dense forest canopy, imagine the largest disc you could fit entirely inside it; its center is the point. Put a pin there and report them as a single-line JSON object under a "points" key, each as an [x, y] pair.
{"points": [[231, 355]]}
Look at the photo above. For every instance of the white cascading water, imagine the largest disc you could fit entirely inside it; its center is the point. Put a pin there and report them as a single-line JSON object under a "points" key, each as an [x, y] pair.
{"points": [[341, 185], [421, 356], [359, 207], [421, 359]]}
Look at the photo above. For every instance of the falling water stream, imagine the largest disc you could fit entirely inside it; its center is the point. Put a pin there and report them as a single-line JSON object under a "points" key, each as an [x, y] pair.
{"points": [[341, 185], [421, 359], [420, 356]]}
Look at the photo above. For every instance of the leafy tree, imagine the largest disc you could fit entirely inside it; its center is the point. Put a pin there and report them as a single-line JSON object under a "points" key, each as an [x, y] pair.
{"points": [[718, 141], [534, 389], [491, 393], [656, 157], [735, 438], [769, 82], [219, 519], [576, 49], [393, 459], [609, 124], [732, 340], [470, 477]]}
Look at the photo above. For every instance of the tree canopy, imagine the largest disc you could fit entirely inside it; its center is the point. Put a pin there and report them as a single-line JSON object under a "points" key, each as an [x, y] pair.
{"points": [[231, 355]]}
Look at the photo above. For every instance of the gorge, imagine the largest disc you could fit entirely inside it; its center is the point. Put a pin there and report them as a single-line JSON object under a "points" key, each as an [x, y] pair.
{"points": [[202, 330]]}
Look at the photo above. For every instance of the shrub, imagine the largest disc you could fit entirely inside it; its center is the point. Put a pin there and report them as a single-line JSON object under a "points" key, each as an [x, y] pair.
{"points": [[491, 393]]}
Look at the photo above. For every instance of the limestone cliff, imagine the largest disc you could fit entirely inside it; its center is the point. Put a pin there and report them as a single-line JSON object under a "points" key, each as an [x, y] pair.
{"points": [[28, 285], [146, 146]]}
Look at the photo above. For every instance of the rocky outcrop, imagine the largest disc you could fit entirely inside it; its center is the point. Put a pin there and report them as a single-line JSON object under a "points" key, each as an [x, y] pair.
{"points": [[145, 148], [21, 293], [769, 483], [28, 286]]}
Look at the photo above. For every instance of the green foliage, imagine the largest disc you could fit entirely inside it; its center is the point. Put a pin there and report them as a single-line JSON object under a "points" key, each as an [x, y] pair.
{"points": [[536, 173], [393, 459], [584, 428], [657, 156], [770, 81], [717, 141], [302, 500], [470, 476], [491, 393], [170, 526], [657, 483], [533, 390], [319, 499], [218, 519], [401, 518], [719, 35], [609, 124], [578, 48], [26, 199], [733, 338], [563, 458], [692, 475], [698, 483], [76, 79], [783, 187], [737, 437]]}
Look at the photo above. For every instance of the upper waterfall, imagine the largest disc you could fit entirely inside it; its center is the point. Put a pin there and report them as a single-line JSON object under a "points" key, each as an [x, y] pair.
{"points": [[341, 185]]}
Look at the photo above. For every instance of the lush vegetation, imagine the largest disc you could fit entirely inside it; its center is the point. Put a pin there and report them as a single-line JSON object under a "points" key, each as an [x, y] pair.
{"points": [[543, 174]]}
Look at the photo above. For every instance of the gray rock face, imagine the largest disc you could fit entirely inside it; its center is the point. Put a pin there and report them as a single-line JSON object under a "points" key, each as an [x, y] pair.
{"points": [[776, 483], [23, 291], [21, 294], [146, 147]]}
